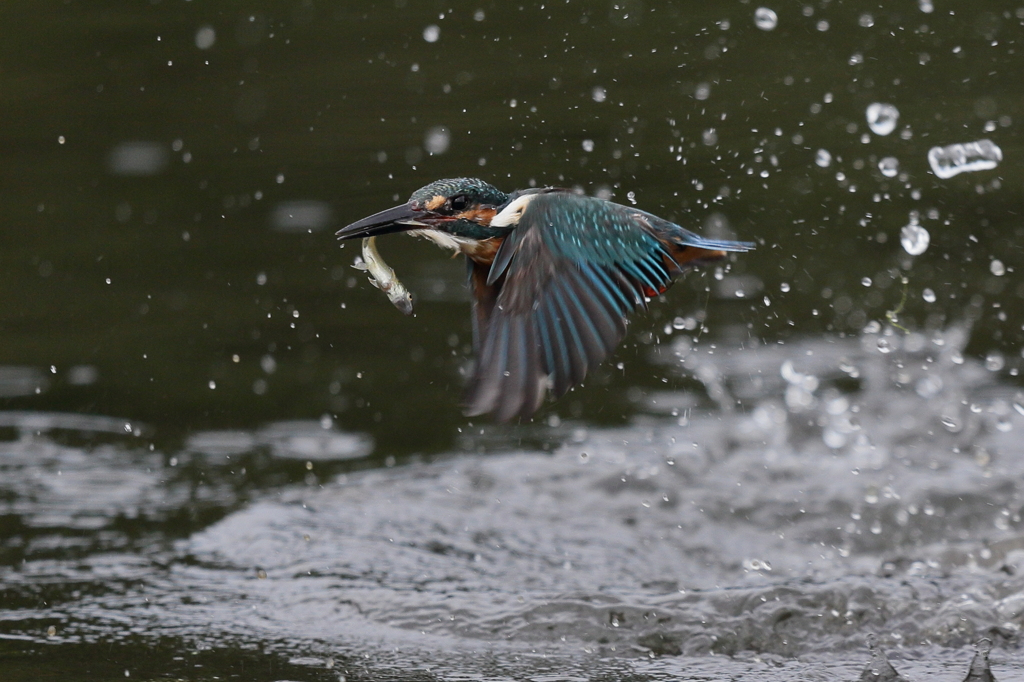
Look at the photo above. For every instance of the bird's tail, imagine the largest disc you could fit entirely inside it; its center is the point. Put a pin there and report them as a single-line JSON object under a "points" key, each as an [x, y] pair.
{"points": [[696, 240]]}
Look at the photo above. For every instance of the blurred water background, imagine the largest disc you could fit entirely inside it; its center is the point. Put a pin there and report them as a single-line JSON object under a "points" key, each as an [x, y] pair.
{"points": [[225, 455]]}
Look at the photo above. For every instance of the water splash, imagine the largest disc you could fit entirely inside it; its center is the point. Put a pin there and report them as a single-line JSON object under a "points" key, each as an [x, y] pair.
{"points": [[879, 669], [969, 157]]}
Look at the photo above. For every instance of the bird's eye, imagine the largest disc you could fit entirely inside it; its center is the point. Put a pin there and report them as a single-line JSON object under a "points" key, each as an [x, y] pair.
{"points": [[459, 202]]}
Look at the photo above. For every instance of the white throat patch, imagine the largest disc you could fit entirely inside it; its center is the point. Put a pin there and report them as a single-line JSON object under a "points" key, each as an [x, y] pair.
{"points": [[442, 239], [511, 214]]}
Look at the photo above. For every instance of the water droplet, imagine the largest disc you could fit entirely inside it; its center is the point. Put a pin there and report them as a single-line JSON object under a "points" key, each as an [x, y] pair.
{"points": [[884, 345], [823, 158], [432, 33], [925, 6], [928, 295], [889, 166], [784, 287], [437, 139], [866, 281], [588, 145], [950, 423], [757, 565], [928, 387], [964, 158], [997, 268], [765, 19], [833, 438], [995, 361], [882, 118], [915, 239], [866, 20], [599, 94], [205, 37]]}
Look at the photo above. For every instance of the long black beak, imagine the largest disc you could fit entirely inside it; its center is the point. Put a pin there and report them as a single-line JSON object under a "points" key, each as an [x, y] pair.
{"points": [[398, 219]]}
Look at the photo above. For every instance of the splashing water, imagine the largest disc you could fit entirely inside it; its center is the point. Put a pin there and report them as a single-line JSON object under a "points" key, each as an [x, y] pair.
{"points": [[968, 157]]}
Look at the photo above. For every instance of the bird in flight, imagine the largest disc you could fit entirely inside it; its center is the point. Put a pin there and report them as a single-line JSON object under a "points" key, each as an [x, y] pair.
{"points": [[554, 276]]}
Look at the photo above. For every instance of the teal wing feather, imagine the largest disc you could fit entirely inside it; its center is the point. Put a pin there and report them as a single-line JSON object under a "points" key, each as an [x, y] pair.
{"points": [[555, 300]]}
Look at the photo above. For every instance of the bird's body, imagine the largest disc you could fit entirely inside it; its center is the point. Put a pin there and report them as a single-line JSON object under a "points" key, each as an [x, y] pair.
{"points": [[554, 276]]}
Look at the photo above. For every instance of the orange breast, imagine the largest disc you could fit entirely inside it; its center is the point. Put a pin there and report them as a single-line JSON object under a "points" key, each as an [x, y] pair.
{"points": [[688, 256], [482, 251]]}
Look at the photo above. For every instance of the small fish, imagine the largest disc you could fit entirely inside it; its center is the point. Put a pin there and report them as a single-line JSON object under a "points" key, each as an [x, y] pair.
{"points": [[383, 277]]}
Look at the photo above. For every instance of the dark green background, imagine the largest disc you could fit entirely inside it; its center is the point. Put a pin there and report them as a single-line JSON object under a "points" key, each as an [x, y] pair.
{"points": [[327, 96]]}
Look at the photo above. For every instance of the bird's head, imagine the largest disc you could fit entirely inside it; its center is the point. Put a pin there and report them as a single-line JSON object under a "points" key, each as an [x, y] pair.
{"points": [[462, 207]]}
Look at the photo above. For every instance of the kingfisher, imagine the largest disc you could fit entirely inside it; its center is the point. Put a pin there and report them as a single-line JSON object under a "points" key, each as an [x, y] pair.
{"points": [[554, 276]]}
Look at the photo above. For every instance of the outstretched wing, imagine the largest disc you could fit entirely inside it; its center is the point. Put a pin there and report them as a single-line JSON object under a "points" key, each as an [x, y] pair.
{"points": [[555, 300]]}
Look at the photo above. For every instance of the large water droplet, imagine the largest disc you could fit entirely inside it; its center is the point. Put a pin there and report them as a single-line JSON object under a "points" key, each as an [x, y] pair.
{"points": [[964, 158], [823, 158], [432, 33], [206, 36], [997, 268], [882, 118], [765, 19], [437, 140], [915, 239], [928, 295]]}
